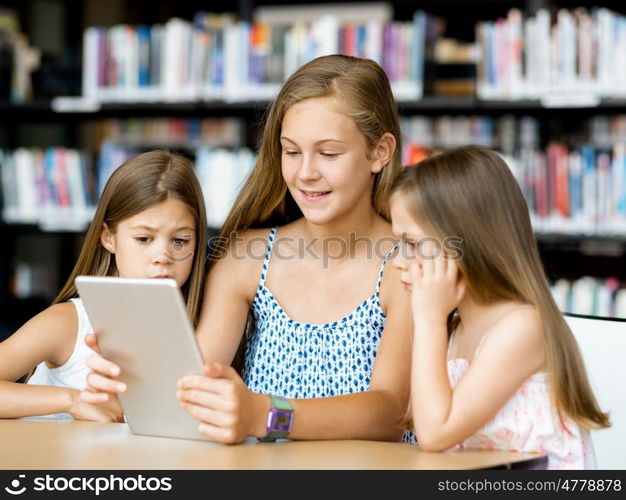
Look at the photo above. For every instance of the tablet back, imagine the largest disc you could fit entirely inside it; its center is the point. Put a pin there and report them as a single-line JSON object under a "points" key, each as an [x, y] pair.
{"points": [[143, 327]]}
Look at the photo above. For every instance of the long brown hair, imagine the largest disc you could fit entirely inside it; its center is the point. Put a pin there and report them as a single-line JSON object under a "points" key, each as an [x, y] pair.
{"points": [[470, 192], [363, 93], [139, 183]]}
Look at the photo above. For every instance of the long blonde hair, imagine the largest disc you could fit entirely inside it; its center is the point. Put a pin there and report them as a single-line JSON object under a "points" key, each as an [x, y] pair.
{"points": [[470, 193], [363, 93], [139, 183]]}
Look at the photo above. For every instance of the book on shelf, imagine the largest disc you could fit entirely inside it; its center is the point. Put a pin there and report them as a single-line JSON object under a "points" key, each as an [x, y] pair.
{"points": [[33, 280], [158, 133], [588, 296], [46, 187], [577, 190], [216, 57], [221, 172], [565, 58]]}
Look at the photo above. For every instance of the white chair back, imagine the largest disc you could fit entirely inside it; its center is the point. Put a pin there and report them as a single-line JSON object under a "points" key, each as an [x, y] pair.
{"points": [[602, 343]]}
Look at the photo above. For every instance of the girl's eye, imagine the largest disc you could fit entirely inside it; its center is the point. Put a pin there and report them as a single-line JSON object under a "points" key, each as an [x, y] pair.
{"points": [[180, 241], [290, 152], [143, 239], [329, 155]]}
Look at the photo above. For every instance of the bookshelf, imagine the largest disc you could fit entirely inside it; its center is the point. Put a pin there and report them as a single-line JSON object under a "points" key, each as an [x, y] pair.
{"points": [[51, 120]]}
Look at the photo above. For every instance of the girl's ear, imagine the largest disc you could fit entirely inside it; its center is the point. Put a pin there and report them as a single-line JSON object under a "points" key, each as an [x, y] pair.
{"points": [[107, 238], [383, 152]]}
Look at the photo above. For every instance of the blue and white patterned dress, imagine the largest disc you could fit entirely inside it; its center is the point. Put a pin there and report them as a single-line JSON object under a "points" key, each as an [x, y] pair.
{"points": [[288, 358]]}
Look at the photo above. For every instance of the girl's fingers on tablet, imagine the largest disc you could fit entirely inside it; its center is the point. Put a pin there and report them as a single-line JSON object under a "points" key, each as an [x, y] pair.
{"points": [[207, 399], [100, 365], [209, 416], [202, 383], [100, 383]]}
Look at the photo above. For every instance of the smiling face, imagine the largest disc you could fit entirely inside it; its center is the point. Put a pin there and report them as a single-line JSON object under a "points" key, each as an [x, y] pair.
{"points": [[159, 242], [325, 161]]}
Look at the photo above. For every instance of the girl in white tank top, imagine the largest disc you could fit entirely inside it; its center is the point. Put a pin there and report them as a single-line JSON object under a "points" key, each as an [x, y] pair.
{"points": [[150, 223]]}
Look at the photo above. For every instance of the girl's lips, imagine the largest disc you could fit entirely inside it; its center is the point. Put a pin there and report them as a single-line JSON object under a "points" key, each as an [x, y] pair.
{"points": [[163, 276], [407, 286], [315, 196]]}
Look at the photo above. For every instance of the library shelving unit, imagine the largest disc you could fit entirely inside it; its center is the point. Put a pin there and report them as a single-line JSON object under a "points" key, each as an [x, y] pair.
{"points": [[56, 27]]}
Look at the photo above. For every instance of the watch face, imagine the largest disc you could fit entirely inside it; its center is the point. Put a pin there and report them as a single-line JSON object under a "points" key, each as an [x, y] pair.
{"points": [[280, 421]]}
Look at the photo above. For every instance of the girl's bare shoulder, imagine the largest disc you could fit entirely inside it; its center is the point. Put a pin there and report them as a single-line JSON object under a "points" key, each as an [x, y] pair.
{"points": [[48, 336], [60, 318], [241, 257], [518, 332]]}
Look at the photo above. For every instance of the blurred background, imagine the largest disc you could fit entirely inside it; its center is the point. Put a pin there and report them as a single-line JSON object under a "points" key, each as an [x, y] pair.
{"points": [[86, 84]]}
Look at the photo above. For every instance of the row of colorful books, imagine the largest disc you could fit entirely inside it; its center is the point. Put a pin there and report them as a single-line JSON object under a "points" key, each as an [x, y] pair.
{"points": [[591, 297], [51, 187], [604, 131], [569, 191], [574, 191], [218, 57], [221, 172], [568, 57], [57, 188], [188, 133], [506, 133]]}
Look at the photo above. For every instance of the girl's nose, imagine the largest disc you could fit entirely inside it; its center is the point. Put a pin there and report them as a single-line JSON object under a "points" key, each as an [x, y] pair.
{"points": [[398, 260], [162, 254], [308, 169]]}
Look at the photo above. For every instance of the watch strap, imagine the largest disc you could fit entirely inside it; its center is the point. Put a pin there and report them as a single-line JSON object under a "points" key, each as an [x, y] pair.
{"points": [[281, 404]]}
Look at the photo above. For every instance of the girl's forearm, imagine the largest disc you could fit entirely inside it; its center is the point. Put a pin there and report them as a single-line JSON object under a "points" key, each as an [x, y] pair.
{"points": [[431, 395], [24, 400], [374, 414]]}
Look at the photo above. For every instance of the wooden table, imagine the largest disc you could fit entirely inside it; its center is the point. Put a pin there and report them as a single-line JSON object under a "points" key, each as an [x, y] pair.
{"points": [[38, 444]]}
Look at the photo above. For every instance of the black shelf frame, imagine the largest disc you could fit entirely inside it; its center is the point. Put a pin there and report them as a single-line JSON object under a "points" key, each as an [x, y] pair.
{"points": [[43, 108]]}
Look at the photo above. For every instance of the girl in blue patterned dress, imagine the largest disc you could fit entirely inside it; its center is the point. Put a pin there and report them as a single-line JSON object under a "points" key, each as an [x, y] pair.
{"points": [[301, 261]]}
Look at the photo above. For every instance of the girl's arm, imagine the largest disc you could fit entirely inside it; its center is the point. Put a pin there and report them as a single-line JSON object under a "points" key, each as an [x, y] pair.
{"points": [[512, 351], [377, 413], [229, 290], [229, 412], [48, 337]]}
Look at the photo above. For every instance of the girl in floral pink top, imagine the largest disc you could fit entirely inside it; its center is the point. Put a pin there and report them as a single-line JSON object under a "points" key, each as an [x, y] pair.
{"points": [[495, 365]]}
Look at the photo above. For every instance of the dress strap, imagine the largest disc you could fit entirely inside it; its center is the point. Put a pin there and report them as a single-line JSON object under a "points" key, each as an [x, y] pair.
{"points": [[268, 255], [382, 268]]}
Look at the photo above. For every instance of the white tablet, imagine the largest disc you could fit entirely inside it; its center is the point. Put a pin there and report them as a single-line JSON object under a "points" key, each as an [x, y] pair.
{"points": [[143, 327]]}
